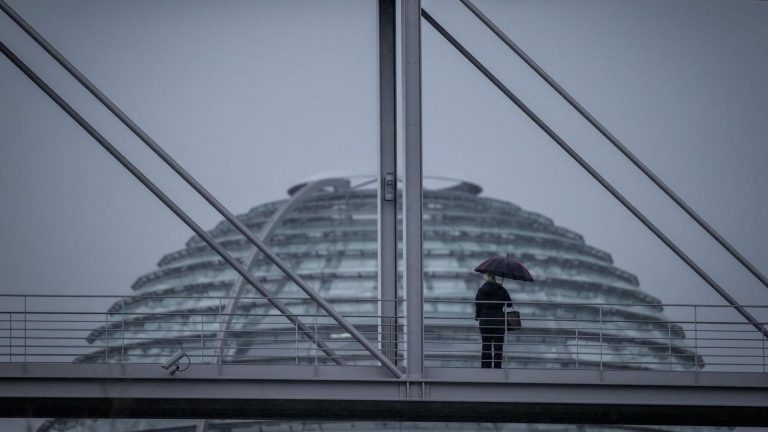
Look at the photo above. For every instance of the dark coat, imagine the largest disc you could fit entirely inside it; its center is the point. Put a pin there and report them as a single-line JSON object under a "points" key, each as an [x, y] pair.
{"points": [[491, 292]]}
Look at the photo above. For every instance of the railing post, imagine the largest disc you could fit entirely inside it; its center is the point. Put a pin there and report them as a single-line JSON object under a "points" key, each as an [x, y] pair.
{"points": [[296, 336], [316, 348], [122, 330], [504, 347], [25, 330], [219, 343], [10, 336], [106, 336], [669, 344], [600, 314], [506, 354], [202, 329], [696, 336], [577, 344]]}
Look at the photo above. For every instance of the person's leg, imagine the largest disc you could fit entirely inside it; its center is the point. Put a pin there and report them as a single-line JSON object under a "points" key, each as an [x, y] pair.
{"points": [[498, 350], [487, 347]]}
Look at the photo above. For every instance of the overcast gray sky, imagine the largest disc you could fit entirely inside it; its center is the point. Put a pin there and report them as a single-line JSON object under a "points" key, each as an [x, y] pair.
{"points": [[254, 96]]}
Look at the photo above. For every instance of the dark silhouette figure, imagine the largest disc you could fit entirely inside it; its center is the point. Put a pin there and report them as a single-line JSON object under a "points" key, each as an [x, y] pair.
{"points": [[489, 312]]}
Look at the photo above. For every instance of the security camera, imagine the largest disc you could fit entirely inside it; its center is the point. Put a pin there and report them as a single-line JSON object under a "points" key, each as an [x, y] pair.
{"points": [[173, 362]]}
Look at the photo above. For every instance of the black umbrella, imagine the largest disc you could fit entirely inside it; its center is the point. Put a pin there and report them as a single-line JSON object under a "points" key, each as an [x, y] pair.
{"points": [[504, 267]]}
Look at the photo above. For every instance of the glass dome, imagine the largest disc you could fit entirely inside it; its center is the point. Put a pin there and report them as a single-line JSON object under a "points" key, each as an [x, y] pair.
{"points": [[326, 230]]}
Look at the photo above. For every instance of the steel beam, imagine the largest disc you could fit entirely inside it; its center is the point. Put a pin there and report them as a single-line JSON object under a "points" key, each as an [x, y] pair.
{"points": [[616, 142], [412, 193], [596, 175], [360, 393], [387, 207], [192, 182], [175, 209]]}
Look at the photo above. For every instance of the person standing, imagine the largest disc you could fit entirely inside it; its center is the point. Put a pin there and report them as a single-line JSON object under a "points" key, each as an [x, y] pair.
{"points": [[489, 312]]}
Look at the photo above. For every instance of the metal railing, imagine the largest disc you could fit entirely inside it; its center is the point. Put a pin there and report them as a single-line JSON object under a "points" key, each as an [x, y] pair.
{"points": [[147, 329], [686, 337]]}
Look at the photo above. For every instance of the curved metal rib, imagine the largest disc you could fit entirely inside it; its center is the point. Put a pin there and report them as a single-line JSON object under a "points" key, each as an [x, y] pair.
{"points": [[266, 232]]}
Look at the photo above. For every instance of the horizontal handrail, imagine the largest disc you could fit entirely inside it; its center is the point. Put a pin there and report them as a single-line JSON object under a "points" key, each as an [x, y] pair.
{"points": [[45, 328]]}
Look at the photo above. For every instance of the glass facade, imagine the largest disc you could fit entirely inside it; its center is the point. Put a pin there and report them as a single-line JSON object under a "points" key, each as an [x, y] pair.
{"points": [[329, 237]]}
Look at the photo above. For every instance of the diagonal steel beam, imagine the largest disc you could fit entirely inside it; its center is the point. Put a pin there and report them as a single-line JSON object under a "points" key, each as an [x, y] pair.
{"points": [[616, 142], [324, 305], [600, 179], [167, 201]]}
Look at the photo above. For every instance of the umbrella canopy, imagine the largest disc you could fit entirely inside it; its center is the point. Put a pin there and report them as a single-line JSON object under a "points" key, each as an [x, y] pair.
{"points": [[504, 267]]}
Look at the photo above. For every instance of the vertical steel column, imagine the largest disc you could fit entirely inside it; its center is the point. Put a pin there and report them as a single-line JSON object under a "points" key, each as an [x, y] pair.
{"points": [[388, 178], [412, 190]]}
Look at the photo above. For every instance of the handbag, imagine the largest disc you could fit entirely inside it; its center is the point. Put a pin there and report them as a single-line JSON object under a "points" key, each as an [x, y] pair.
{"points": [[513, 321]]}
